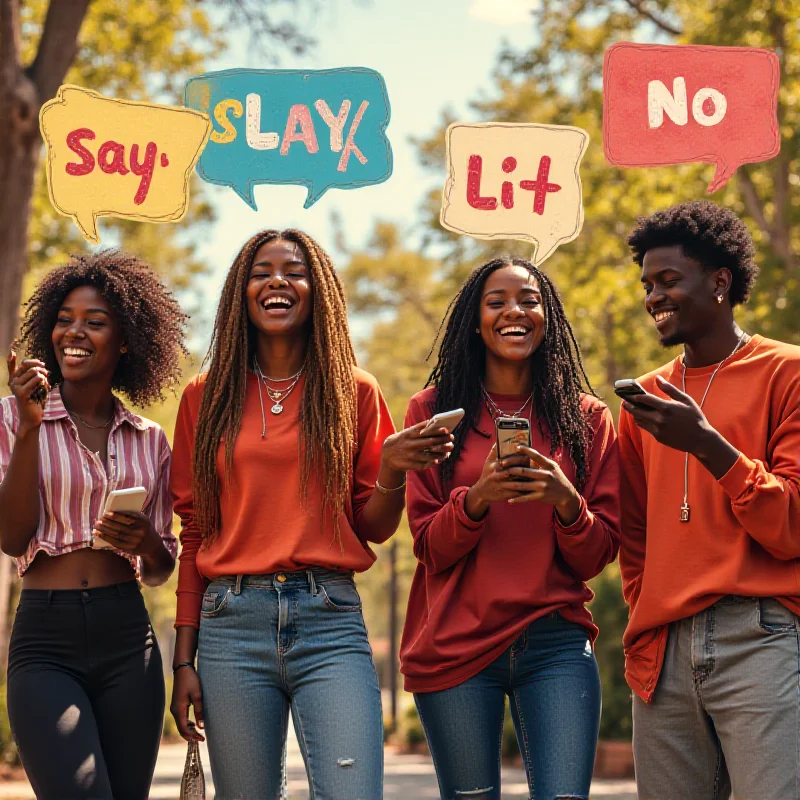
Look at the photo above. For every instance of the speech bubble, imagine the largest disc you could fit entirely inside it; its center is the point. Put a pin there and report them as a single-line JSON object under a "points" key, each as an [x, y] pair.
{"points": [[673, 104], [110, 157], [515, 181], [320, 129]]}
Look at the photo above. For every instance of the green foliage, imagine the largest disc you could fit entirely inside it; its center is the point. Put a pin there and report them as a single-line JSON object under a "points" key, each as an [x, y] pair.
{"points": [[410, 732], [8, 750], [611, 615], [558, 80], [510, 746]]}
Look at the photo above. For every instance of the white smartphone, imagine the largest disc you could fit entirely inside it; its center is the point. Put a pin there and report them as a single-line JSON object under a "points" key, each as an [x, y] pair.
{"points": [[121, 500], [445, 419]]}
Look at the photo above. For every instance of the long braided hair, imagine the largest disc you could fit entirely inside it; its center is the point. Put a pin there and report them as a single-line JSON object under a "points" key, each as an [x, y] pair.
{"points": [[557, 370], [328, 406]]}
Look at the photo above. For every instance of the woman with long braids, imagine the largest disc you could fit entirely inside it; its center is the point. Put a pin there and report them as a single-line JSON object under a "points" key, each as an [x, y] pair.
{"points": [[286, 467], [85, 679], [505, 547]]}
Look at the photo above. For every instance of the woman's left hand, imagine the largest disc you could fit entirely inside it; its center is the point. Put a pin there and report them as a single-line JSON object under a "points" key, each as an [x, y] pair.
{"points": [[548, 485], [410, 449], [129, 531]]}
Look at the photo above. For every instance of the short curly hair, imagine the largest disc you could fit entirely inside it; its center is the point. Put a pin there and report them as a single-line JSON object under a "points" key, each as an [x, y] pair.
{"points": [[708, 233], [150, 318]]}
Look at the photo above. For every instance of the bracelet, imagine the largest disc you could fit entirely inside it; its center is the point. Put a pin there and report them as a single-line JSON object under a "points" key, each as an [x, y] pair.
{"points": [[183, 664], [384, 490]]}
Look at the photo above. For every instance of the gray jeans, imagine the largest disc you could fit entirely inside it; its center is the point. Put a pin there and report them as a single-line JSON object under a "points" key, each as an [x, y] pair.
{"points": [[725, 714]]}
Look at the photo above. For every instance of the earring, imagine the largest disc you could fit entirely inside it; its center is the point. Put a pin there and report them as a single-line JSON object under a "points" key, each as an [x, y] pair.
{"points": [[719, 298]]}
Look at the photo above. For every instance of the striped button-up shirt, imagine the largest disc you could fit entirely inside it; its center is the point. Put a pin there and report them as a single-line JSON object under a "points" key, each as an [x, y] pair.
{"points": [[74, 481]]}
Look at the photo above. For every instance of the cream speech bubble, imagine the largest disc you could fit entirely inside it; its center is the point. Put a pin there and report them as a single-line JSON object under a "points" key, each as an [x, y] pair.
{"points": [[515, 181], [111, 157]]}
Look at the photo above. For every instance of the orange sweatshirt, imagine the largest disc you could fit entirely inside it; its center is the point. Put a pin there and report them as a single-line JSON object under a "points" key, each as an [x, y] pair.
{"points": [[743, 536], [264, 529]]}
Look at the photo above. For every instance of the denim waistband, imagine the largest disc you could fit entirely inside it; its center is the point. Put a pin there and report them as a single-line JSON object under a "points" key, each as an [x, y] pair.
{"points": [[300, 578], [127, 589], [731, 599]]}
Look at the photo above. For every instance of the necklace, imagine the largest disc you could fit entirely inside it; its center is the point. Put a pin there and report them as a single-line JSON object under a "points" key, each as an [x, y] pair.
{"points": [[282, 380], [495, 411], [685, 510], [93, 427], [277, 396]]}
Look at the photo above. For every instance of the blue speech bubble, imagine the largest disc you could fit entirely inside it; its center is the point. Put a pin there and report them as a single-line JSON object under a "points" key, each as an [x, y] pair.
{"points": [[319, 128]]}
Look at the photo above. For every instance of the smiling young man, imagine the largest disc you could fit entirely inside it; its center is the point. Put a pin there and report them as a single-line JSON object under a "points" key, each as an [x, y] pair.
{"points": [[710, 550]]}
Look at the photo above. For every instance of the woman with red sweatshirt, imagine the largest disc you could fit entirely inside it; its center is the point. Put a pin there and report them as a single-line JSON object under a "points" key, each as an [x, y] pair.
{"points": [[505, 547]]}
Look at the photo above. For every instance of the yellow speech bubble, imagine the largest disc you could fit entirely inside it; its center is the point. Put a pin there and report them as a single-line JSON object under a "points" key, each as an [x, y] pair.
{"points": [[111, 157], [515, 181]]}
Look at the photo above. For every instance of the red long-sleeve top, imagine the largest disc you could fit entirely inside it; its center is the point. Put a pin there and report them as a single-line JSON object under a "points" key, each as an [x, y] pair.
{"points": [[264, 527], [743, 535], [478, 585]]}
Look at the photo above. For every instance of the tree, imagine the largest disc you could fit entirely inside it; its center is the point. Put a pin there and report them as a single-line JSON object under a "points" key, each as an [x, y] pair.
{"points": [[136, 48], [558, 80]]}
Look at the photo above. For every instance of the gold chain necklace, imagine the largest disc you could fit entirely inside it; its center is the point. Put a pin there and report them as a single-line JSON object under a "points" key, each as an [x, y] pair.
{"points": [[685, 510]]}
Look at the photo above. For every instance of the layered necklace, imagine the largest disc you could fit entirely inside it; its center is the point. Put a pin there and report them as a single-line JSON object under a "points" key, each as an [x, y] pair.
{"points": [[277, 396], [685, 510], [495, 411]]}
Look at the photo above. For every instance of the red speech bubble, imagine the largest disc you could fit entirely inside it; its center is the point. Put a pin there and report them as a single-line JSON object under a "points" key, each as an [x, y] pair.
{"points": [[675, 104]]}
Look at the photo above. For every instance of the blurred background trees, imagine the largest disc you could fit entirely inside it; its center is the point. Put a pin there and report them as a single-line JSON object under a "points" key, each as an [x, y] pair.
{"points": [[401, 282]]}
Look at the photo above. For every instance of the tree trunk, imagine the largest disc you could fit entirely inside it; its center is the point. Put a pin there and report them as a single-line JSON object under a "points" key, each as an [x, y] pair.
{"points": [[19, 153]]}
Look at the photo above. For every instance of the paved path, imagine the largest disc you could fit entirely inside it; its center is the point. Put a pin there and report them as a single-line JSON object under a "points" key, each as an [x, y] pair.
{"points": [[406, 778]]}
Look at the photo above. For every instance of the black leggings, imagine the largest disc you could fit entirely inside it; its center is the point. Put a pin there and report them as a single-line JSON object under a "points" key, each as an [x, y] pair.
{"points": [[86, 693]]}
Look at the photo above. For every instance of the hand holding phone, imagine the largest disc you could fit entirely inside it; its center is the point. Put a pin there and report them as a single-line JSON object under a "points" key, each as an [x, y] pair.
{"points": [[120, 500], [445, 419], [629, 389]]}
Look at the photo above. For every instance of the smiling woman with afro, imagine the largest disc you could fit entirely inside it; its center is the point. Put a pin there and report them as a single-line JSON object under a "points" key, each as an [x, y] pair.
{"points": [[85, 680]]}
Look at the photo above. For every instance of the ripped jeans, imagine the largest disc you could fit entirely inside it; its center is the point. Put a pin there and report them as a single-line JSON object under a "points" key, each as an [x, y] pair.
{"points": [[294, 640], [550, 676]]}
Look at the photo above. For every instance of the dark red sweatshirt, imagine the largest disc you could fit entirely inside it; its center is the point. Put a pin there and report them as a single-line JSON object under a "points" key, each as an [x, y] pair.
{"points": [[478, 585]]}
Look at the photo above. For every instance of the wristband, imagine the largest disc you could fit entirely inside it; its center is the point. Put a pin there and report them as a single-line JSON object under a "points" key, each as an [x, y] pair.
{"points": [[183, 664]]}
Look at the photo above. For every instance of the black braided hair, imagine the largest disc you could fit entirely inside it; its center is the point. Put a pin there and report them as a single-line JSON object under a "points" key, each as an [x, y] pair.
{"points": [[558, 374]]}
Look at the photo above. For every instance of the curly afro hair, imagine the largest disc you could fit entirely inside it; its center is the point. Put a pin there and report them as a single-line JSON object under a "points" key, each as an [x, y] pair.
{"points": [[151, 321], [708, 233]]}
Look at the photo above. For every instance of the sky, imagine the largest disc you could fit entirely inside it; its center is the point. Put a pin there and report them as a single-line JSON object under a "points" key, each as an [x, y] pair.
{"points": [[433, 55]]}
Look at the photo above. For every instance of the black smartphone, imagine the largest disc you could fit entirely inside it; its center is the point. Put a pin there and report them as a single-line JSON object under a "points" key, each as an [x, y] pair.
{"points": [[628, 389], [511, 432]]}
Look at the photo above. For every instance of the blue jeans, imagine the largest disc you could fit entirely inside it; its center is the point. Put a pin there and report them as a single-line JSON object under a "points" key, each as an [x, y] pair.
{"points": [[550, 676], [296, 640]]}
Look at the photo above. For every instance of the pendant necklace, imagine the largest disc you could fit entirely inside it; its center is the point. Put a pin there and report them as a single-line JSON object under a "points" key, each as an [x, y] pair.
{"points": [[685, 510], [277, 396], [495, 411]]}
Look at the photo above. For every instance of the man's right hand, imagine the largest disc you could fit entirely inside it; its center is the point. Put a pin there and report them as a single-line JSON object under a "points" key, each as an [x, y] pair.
{"points": [[186, 692]]}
